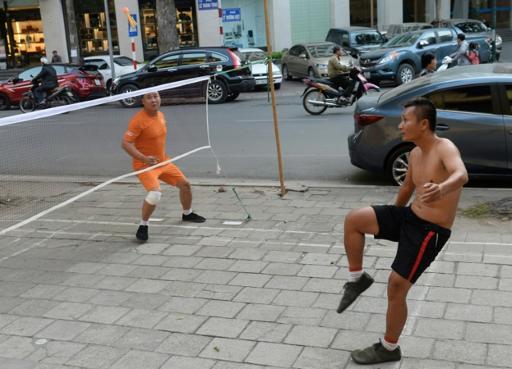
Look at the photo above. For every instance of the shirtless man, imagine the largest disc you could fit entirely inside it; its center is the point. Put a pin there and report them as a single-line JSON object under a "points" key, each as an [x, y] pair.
{"points": [[437, 174], [144, 141]]}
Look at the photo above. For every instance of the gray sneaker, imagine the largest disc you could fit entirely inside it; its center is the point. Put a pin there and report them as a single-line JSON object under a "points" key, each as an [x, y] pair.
{"points": [[353, 290], [375, 354]]}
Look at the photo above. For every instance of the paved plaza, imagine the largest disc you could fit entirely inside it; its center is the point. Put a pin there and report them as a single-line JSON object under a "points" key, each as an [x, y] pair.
{"points": [[77, 291]]}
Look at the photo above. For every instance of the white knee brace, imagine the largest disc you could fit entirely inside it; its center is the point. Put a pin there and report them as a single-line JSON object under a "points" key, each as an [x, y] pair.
{"points": [[153, 197]]}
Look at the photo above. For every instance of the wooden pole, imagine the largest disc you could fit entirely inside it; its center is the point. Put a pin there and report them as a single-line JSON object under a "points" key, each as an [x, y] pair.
{"points": [[270, 81]]}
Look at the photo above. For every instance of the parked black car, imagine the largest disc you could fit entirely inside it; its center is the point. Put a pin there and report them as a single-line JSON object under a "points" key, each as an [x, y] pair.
{"points": [[356, 40], [190, 63]]}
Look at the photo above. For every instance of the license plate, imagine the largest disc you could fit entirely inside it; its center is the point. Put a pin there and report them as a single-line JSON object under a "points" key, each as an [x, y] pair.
{"points": [[97, 82], [261, 81]]}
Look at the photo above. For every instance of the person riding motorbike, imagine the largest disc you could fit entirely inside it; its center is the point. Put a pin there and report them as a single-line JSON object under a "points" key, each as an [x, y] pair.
{"points": [[460, 55], [429, 64], [44, 82], [338, 73]]}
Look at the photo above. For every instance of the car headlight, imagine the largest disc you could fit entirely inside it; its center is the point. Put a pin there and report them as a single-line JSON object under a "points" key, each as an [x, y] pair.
{"points": [[321, 66], [388, 58]]}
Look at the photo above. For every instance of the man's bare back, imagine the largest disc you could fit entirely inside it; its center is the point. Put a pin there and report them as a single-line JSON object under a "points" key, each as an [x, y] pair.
{"points": [[429, 168]]}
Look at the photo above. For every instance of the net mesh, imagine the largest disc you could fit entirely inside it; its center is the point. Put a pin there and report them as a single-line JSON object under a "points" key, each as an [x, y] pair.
{"points": [[51, 157]]}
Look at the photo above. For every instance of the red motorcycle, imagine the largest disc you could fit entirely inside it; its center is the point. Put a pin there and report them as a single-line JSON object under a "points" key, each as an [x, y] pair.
{"points": [[321, 93]]}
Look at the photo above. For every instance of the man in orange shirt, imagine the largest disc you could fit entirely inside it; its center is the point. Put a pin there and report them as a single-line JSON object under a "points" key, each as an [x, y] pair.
{"points": [[145, 142]]}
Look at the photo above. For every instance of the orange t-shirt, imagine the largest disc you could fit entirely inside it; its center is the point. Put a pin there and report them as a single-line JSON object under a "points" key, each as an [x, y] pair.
{"points": [[148, 133]]}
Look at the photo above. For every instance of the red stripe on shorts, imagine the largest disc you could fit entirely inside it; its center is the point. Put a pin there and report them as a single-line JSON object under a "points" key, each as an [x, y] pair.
{"points": [[424, 244]]}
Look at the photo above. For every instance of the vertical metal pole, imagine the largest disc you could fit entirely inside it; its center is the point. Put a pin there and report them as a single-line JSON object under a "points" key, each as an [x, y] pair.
{"points": [[270, 81], [109, 37], [493, 50], [371, 13]]}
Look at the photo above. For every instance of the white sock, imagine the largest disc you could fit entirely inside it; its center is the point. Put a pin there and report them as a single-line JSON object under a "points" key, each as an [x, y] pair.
{"points": [[355, 275], [187, 212], [390, 346], [144, 222]]}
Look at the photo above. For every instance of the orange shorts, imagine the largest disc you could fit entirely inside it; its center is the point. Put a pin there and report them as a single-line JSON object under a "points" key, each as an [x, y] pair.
{"points": [[169, 173]]}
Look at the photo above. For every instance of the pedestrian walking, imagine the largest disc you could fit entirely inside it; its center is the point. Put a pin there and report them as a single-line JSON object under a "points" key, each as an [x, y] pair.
{"points": [[56, 57]]}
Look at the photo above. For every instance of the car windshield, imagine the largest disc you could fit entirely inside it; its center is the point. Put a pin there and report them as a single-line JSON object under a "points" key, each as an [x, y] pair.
{"points": [[123, 61], [368, 38], [253, 56], [471, 27], [405, 39], [320, 50]]}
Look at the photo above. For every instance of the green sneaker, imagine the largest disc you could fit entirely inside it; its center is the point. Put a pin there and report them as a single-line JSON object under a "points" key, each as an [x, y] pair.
{"points": [[353, 290], [376, 354]]}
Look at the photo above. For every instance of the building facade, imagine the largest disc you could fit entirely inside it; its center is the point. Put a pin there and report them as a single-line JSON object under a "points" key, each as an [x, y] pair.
{"points": [[78, 28]]}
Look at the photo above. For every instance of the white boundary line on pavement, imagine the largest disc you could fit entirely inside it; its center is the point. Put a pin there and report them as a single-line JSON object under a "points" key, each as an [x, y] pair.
{"points": [[245, 229]]}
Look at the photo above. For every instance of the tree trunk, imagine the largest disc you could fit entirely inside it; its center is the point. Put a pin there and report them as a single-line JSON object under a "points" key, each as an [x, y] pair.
{"points": [[166, 23], [73, 30]]}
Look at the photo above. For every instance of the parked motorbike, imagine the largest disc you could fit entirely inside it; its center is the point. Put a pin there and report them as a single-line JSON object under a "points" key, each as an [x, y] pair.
{"points": [[321, 93], [59, 96]]}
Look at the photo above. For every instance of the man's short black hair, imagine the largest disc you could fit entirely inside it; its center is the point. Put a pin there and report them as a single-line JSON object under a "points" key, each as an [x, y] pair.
{"points": [[424, 109], [461, 36], [426, 59], [335, 49]]}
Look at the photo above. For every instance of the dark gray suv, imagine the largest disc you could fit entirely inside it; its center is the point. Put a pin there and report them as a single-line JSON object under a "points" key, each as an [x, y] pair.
{"points": [[474, 111]]}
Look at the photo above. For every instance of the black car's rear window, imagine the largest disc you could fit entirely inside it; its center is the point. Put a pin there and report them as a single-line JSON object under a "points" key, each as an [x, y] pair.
{"points": [[123, 61]]}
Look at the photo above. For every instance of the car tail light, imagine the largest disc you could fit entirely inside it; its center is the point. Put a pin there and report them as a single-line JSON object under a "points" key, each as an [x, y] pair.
{"points": [[366, 119], [237, 63]]}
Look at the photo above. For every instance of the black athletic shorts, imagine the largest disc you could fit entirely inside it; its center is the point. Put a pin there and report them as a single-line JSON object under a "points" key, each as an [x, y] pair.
{"points": [[419, 241]]}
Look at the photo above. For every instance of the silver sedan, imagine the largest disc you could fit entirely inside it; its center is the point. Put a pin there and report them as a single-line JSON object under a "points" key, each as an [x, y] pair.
{"points": [[473, 110]]}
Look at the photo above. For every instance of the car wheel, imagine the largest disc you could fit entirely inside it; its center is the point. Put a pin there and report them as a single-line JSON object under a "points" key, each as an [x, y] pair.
{"points": [[311, 73], [398, 164], [130, 102], [277, 86], [217, 92], [405, 73], [232, 96], [5, 104], [286, 73]]}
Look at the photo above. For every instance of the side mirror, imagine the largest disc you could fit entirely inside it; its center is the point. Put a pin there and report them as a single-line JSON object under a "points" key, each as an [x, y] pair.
{"points": [[152, 69], [15, 80], [303, 56], [422, 44]]}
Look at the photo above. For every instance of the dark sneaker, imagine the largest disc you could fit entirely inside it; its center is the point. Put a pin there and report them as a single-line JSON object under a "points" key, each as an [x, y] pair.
{"points": [[376, 354], [142, 233], [353, 290], [193, 217]]}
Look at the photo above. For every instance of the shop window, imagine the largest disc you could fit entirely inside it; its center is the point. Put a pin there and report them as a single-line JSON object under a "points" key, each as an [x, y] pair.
{"points": [[93, 27]]}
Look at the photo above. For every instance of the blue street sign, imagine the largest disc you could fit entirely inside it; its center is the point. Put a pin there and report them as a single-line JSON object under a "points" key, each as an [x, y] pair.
{"points": [[133, 31], [231, 15], [207, 4]]}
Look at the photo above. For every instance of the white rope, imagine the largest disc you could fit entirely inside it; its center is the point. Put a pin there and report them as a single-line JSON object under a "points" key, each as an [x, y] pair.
{"points": [[38, 114], [101, 185]]}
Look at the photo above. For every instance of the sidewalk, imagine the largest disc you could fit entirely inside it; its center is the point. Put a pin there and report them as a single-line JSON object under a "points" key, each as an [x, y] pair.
{"points": [[76, 290]]}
